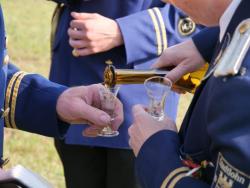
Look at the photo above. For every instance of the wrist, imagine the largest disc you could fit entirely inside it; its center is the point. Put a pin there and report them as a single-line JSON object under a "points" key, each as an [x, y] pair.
{"points": [[118, 41], [60, 105]]}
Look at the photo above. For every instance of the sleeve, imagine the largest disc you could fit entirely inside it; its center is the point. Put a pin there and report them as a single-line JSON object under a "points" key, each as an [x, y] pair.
{"points": [[31, 100], [206, 41], [159, 165], [228, 127], [148, 33]]}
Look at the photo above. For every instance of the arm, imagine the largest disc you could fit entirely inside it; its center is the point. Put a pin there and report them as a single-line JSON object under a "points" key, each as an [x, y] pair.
{"points": [[148, 33], [164, 161], [194, 54], [145, 34], [228, 129], [40, 106], [205, 41], [32, 102], [156, 145]]}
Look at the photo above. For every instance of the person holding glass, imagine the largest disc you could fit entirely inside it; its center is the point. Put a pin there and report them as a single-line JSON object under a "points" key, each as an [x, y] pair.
{"points": [[132, 34], [212, 147], [32, 103]]}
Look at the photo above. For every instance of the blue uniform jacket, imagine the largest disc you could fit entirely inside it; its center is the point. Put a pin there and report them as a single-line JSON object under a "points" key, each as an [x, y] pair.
{"points": [[146, 31], [216, 129], [27, 101]]}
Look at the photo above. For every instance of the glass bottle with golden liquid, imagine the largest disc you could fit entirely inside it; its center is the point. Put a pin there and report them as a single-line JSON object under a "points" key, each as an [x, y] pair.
{"points": [[189, 82]]}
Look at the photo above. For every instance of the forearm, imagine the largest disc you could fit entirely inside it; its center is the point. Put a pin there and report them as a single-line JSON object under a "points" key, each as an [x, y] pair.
{"points": [[32, 102], [159, 165], [155, 28]]}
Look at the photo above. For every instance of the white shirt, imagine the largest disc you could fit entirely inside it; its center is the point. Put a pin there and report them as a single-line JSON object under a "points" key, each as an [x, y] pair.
{"points": [[227, 16]]}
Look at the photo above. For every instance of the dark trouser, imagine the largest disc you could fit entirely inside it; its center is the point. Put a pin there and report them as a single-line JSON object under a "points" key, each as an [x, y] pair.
{"points": [[96, 167]]}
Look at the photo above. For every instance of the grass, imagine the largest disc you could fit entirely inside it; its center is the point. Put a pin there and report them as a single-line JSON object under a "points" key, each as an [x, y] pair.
{"points": [[28, 28]]}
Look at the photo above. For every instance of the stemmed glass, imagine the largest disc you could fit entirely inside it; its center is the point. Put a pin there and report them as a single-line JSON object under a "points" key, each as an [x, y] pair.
{"points": [[108, 102], [157, 88]]}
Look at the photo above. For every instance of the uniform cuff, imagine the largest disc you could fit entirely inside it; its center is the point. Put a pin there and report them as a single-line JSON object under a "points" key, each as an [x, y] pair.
{"points": [[158, 157], [205, 42], [133, 30]]}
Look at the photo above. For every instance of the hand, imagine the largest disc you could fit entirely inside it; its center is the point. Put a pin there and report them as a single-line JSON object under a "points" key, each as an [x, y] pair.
{"points": [[93, 33], [80, 105], [145, 126], [184, 57]]}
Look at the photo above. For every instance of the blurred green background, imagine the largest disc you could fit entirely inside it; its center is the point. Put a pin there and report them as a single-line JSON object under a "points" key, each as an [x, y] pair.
{"points": [[28, 32]]}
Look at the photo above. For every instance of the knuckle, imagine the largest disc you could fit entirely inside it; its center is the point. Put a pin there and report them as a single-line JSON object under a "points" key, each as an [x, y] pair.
{"points": [[93, 50], [87, 36], [87, 26], [92, 44]]}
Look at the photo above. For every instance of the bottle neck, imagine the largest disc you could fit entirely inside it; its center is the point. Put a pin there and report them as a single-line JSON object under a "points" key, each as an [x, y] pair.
{"points": [[131, 76]]}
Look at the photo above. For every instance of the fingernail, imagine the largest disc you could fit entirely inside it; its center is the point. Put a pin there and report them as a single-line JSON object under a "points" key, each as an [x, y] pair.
{"points": [[105, 119]]}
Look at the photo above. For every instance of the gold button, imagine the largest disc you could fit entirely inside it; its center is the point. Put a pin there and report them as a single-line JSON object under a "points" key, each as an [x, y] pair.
{"points": [[186, 26], [6, 60]]}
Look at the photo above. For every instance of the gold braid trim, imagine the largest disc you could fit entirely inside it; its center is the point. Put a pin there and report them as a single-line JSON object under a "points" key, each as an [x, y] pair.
{"points": [[163, 28], [173, 174], [157, 31], [14, 99], [176, 179], [8, 94]]}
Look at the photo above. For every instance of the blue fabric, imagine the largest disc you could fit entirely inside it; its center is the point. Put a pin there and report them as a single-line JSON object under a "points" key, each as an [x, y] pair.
{"points": [[36, 105], [139, 51], [216, 129], [154, 146], [35, 109], [204, 46]]}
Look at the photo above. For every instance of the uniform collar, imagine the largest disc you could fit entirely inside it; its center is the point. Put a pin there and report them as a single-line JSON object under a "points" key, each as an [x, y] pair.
{"points": [[227, 16]]}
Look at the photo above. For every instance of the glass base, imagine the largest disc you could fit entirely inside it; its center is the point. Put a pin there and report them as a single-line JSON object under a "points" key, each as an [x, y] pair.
{"points": [[108, 132], [158, 118]]}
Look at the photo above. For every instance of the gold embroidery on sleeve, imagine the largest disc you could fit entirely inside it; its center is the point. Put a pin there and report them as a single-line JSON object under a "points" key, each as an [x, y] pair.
{"points": [[173, 174], [14, 99], [176, 179], [163, 28], [157, 31], [8, 95]]}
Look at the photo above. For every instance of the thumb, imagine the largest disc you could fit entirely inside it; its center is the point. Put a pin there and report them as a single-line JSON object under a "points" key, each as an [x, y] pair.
{"points": [[95, 116], [81, 16]]}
